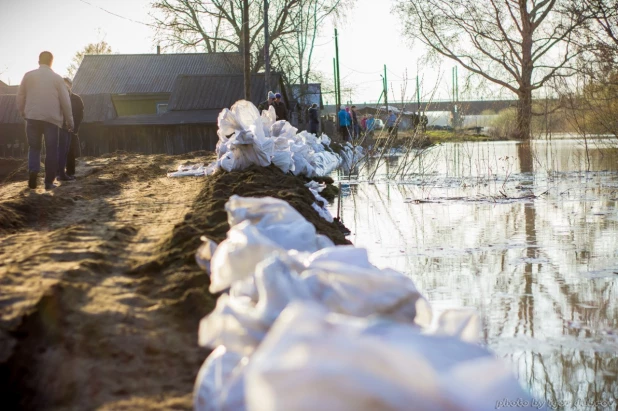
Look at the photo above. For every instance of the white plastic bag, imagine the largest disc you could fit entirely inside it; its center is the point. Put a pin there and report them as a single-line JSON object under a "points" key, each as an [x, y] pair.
{"points": [[215, 388], [276, 220], [237, 256], [247, 150], [312, 359], [282, 156]]}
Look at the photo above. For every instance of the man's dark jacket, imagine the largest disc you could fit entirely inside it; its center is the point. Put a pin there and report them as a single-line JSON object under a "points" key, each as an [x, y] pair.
{"points": [[77, 106], [281, 110]]}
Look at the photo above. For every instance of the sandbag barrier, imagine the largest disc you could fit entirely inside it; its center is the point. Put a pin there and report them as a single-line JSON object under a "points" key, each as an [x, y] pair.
{"points": [[302, 324], [247, 137]]}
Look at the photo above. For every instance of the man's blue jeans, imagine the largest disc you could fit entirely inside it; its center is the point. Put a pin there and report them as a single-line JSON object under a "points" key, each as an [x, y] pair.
{"points": [[34, 130], [64, 142]]}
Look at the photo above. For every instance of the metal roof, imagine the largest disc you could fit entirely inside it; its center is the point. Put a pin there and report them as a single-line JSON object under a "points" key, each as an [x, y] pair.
{"points": [[148, 73], [6, 89], [8, 110], [217, 92], [169, 118], [98, 108]]}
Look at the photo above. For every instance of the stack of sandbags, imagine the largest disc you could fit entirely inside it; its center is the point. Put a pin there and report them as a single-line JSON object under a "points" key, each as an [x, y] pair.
{"points": [[247, 137], [305, 325]]}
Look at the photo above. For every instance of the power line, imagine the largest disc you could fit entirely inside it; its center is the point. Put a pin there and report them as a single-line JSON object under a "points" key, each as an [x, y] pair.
{"points": [[361, 72], [118, 15], [396, 75]]}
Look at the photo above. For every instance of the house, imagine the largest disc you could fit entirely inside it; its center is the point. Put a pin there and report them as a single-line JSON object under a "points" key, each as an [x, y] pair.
{"points": [[150, 103], [6, 89], [190, 122], [160, 103], [143, 83], [13, 141]]}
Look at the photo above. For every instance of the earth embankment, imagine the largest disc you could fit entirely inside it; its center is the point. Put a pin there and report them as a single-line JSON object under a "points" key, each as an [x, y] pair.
{"points": [[100, 295]]}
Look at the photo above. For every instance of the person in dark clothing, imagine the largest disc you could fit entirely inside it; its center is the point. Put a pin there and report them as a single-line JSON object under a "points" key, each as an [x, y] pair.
{"points": [[280, 108], [69, 147], [355, 124], [314, 121], [265, 105], [43, 101]]}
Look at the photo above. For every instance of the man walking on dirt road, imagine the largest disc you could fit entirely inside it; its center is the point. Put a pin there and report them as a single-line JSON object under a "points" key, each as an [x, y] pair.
{"points": [[43, 100]]}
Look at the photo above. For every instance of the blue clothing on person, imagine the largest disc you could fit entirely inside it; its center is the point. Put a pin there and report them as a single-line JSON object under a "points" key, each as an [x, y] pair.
{"points": [[344, 118], [392, 118], [370, 123]]}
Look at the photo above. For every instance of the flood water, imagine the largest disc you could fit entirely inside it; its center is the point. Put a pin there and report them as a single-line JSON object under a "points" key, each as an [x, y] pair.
{"points": [[526, 234]]}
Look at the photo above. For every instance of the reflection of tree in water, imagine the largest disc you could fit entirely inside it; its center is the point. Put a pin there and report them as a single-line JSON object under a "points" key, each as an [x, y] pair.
{"points": [[571, 377], [523, 266]]}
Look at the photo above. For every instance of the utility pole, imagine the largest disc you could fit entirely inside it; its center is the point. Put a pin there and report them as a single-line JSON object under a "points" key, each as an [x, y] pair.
{"points": [[385, 90], [335, 77], [338, 91], [418, 96], [247, 53], [456, 85], [266, 48]]}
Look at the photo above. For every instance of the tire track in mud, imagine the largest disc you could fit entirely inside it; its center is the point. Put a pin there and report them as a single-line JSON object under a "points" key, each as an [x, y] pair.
{"points": [[82, 326]]}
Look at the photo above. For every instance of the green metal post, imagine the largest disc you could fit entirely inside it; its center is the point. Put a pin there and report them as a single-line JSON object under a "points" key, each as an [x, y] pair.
{"points": [[338, 72]]}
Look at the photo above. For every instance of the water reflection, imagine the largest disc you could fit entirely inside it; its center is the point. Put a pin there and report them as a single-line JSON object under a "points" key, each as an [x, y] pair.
{"points": [[525, 234]]}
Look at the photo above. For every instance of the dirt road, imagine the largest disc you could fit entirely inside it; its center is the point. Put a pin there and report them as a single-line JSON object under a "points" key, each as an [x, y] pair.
{"points": [[100, 295], [97, 310]]}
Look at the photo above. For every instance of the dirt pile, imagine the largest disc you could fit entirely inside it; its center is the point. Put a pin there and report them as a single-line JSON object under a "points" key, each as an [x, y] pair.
{"points": [[13, 169], [101, 296]]}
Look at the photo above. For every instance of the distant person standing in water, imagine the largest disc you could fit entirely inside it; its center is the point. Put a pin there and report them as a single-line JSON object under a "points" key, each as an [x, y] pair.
{"points": [[68, 146], [43, 100]]}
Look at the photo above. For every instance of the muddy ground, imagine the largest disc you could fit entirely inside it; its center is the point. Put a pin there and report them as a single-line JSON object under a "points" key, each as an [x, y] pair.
{"points": [[100, 295]]}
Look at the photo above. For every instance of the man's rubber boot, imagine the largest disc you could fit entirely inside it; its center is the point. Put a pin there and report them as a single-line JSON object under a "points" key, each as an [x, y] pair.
{"points": [[32, 180]]}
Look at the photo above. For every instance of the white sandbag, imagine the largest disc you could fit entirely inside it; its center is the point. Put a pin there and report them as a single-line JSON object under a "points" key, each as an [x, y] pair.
{"points": [[464, 324], [246, 115], [302, 155], [276, 220], [269, 117], [283, 160], [226, 161], [282, 128], [347, 288], [323, 212], [234, 324], [204, 253], [194, 170], [214, 387], [312, 359], [247, 150], [315, 186], [227, 124], [237, 256], [282, 156]]}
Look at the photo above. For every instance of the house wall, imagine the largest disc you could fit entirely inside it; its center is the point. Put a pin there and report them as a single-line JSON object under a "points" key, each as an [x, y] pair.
{"points": [[176, 139], [130, 106], [13, 142]]}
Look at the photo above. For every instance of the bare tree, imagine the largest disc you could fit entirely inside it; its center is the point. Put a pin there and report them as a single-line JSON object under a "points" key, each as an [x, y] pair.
{"points": [[517, 44], [590, 99], [93, 48], [216, 25]]}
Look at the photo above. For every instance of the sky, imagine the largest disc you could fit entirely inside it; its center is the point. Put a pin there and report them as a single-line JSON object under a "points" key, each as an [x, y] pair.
{"points": [[369, 38]]}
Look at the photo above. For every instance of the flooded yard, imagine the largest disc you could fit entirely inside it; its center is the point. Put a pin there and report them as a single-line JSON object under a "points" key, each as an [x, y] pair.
{"points": [[525, 234]]}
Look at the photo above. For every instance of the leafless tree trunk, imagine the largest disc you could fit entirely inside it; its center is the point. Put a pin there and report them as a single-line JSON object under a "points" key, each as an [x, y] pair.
{"points": [[517, 44]]}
